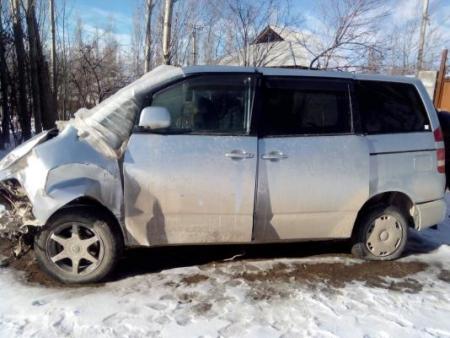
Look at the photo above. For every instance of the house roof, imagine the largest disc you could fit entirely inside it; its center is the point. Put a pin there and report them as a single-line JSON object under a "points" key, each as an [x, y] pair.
{"points": [[275, 47], [283, 34], [268, 34]]}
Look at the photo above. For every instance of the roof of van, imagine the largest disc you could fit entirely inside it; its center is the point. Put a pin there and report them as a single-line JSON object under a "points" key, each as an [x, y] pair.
{"points": [[297, 72]]}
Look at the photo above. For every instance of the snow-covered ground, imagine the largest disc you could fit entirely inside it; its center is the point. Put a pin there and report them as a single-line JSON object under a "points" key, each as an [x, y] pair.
{"points": [[320, 296]]}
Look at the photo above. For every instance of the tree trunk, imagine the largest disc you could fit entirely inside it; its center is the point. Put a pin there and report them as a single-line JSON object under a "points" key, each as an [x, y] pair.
{"points": [[168, 5], [34, 69], [148, 35], [22, 112], [48, 107], [4, 87], [53, 51]]}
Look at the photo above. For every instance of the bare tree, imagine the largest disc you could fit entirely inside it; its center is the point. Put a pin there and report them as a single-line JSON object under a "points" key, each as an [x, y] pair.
{"points": [[400, 49], [53, 48], [22, 110], [63, 64], [138, 50], [245, 19], [168, 7], [4, 84], [34, 68], [213, 36], [96, 69], [185, 18], [348, 30], [402, 42], [46, 98], [243, 14], [149, 5]]}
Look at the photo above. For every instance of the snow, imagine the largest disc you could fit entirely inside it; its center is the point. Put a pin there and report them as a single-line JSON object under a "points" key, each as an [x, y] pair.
{"points": [[216, 300]]}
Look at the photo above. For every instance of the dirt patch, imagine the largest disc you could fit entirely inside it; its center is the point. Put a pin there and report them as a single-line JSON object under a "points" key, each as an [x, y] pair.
{"points": [[267, 292], [27, 264], [408, 285], [171, 284], [316, 275], [194, 279], [187, 297], [31, 270], [373, 274], [202, 308], [444, 275]]}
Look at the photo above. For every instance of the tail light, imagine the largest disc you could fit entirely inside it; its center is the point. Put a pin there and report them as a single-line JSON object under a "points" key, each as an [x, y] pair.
{"points": [[438, 135], [440, 152], [441, 160]]}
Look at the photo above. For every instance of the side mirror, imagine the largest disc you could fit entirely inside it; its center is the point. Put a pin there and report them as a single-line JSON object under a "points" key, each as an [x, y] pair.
{"points": [[154, 118]]}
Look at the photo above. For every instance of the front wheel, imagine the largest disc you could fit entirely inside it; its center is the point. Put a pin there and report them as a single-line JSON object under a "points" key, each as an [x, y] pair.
{"points": [[78, 247], [381, 234]]}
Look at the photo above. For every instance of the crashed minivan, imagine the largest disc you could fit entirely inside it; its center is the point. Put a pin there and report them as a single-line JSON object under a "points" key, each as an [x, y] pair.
{"points": [[207, 155]]}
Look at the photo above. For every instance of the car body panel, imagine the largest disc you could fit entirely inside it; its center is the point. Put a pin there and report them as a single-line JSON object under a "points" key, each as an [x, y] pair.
{"points": [[184, 189], [315, 192], [406, 163]]}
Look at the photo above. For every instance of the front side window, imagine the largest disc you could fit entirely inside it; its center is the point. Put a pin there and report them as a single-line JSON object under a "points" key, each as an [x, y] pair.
{"points": [[209, 104], [388, 107], [306, 107]]}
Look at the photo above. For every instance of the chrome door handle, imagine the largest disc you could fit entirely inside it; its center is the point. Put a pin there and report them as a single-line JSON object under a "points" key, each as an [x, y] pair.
{"points": [[274, 156], [239, 154]]}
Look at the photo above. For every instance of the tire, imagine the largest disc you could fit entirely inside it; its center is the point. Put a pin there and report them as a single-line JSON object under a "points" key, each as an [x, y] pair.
{"points": [[381, 234], [77, 246]]}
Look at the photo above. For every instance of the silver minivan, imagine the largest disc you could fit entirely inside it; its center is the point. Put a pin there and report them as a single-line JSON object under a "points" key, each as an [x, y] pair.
{"points": [[207, 155]]}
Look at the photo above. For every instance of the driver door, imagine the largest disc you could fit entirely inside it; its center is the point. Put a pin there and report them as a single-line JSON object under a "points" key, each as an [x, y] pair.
{"points": [[194, 182]]}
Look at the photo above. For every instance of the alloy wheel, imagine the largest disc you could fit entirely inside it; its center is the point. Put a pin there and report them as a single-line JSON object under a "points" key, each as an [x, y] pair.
{"points": [[75, 248]]}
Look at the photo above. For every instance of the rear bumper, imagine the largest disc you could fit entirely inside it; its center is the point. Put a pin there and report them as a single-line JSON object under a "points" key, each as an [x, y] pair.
{"points": [[429, 213]]}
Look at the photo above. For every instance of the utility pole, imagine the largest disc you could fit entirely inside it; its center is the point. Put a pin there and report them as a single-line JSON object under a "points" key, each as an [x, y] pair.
{"points": [[423, 28], [53, 51], [168, 6], [195, 28]]}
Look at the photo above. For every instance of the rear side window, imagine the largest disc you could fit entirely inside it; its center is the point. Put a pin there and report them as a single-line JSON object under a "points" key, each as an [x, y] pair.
{"points": [[305, 107], [387, 107]]}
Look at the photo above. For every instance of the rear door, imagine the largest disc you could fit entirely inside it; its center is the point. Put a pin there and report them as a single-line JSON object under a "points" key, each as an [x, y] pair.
{"points": [[195, 181], [313, 171]]}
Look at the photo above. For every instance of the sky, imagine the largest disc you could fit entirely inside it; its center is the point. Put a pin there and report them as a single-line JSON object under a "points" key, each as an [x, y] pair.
{"points": [[96, 13]]}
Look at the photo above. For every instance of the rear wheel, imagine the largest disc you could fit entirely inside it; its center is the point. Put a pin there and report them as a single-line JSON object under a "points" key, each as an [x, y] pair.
{"points": [[78, 247], [381, 234]]}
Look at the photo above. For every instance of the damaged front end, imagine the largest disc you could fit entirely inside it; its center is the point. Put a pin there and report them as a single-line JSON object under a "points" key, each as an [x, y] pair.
{"points": [[49, 173], [16, 213], [16, 217], [78, 161], [15, 210]]}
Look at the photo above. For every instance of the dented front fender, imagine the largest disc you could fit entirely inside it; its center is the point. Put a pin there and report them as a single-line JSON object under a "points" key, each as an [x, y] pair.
{"points": [[55, 173]]}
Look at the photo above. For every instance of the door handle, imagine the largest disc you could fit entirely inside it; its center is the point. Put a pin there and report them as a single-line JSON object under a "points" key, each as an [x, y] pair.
{"points": [[274, 156], [239, 154]]}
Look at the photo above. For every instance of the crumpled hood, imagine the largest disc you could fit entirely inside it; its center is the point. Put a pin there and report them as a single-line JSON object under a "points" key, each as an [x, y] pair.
{"points": [[19, 152]]}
